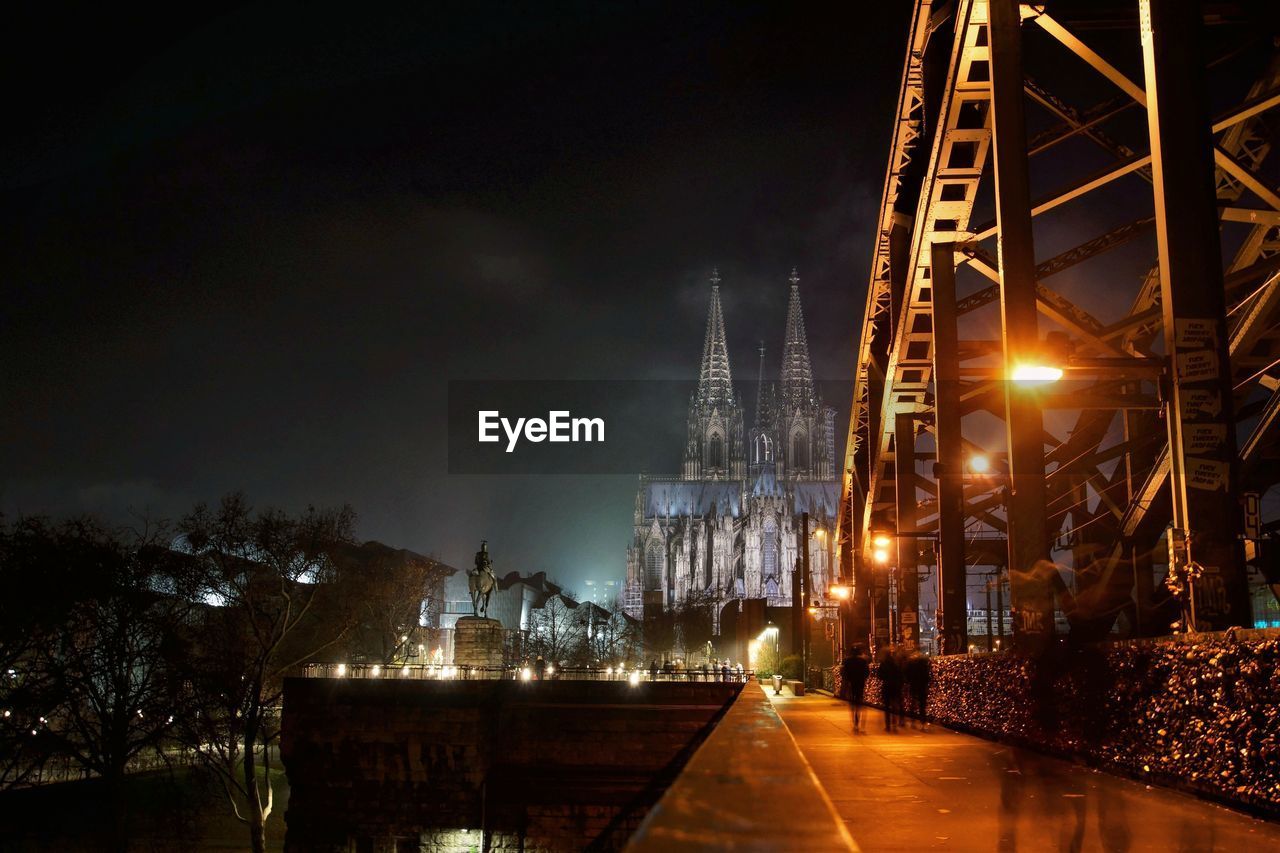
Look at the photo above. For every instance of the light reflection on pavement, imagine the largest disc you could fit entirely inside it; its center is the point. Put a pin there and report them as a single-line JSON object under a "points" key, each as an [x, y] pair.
{"points": [[938, 789]]}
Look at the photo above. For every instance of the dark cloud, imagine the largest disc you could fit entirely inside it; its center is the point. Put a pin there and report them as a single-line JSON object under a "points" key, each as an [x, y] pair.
{"points": [[248, 249]]}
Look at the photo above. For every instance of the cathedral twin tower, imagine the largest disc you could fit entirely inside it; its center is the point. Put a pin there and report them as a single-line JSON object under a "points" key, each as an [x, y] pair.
{"points": [[726, 529], [793, 432]]}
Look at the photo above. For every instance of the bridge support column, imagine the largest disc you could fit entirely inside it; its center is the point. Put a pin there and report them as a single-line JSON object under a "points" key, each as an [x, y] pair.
{"points": [[908, 546], [953, 602], [1202, 442], [1029, 569]]}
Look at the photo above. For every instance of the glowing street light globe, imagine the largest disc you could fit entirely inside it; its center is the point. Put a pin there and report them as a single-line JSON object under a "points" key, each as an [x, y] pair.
{"points": [[880, 555], [1035, 374], [980, 463]]}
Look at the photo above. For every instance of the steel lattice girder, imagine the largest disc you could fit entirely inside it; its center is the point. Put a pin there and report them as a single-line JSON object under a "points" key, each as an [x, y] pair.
{"points": [[937, 165]]}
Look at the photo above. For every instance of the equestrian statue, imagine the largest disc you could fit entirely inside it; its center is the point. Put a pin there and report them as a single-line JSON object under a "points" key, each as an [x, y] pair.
{"points": [[482, 581]]}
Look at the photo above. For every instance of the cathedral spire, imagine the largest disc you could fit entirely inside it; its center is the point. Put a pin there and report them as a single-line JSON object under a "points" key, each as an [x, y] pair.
{"points": [[715, 382], [797, 374]]}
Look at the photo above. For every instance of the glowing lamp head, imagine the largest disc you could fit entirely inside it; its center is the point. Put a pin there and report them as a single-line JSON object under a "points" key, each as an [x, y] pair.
{"points": [[634, 678], [980, 463], [881, 540], [1035, 374], [377, 670], [839, 591], [526, 674], [880, 555], [342, 670]]}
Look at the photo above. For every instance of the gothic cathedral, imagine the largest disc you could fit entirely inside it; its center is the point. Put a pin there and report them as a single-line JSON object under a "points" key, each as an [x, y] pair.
{"points": [[728, 527]]}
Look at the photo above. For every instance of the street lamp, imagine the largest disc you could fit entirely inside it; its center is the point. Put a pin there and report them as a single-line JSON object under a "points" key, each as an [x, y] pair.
{"points": [[980, 463], [1035, 374]]}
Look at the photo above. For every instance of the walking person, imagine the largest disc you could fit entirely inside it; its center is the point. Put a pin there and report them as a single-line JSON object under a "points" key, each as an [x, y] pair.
{"points": [[854, 670], [890, 672], [917, 677]]}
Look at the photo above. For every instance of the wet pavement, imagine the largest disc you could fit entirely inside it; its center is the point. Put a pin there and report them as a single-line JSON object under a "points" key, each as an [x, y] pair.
{"points": [[936, 789]]}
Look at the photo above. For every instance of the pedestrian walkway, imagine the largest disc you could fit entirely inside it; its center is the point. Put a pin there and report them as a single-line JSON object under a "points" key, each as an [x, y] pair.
{"points": [[940, 790]]}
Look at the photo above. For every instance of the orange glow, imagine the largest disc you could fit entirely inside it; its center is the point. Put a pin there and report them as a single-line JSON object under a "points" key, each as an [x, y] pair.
{"points": [[1035, 374]]}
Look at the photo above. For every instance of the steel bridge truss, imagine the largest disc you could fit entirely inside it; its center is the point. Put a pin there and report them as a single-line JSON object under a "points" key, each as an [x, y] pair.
{"points": [[1160, 302]]}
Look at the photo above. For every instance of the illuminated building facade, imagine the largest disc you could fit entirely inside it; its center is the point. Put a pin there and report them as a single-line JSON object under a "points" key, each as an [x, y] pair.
{"points": [[727, 528]]}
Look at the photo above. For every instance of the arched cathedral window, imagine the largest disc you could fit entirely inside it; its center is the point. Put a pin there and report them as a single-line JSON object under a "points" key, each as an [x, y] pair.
{"points": [[715, 451], [799, 451], [653, 567], [763, 449]]}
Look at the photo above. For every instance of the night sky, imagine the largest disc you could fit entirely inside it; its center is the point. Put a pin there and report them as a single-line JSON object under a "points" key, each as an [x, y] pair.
{"points": [[247, 249]]}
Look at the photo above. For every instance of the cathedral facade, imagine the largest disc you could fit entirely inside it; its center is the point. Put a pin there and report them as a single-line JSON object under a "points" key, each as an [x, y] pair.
{"points": [[729, 526]]}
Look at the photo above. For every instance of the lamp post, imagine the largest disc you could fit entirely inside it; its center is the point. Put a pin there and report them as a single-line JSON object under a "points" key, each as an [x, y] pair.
{"points": [[841, 593], [820, 533], [805, 583], [880, 543]]}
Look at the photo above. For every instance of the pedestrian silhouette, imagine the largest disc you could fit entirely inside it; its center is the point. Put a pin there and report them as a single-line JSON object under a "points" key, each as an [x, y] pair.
{"points": [[917, 674], [890, 672], [854, 670]]}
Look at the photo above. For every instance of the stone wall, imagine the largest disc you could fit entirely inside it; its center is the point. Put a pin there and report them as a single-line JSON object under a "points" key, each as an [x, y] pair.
{"points": [[387, 765], [477, 642], [1197, 713]]}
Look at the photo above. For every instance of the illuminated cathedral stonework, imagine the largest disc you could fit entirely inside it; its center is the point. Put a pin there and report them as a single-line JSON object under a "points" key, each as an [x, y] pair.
{"points": [[727, 527]]}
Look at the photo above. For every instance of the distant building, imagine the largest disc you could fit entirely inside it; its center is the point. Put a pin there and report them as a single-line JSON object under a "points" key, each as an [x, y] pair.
{"points": [[728, 527], [516, 603], [602, 592]]}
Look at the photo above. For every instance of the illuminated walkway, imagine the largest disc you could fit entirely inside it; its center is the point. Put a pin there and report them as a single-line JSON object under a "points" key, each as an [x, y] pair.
{"points": [[937, 789]]}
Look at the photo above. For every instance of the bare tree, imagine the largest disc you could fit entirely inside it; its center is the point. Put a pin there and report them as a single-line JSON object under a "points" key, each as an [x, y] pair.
{"points": [[617, 637], [695, 621], [659, 632], [391, 590], [271, 581], [95, 681], [35, 577], [556, 629], [112, 669]]}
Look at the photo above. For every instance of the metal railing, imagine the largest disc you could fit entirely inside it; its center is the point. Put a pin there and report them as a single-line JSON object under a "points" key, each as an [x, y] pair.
{"points": [[527, 672]]}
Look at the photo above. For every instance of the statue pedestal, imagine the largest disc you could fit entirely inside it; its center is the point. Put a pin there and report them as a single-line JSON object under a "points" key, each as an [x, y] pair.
{"points": [[477, 642]]}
